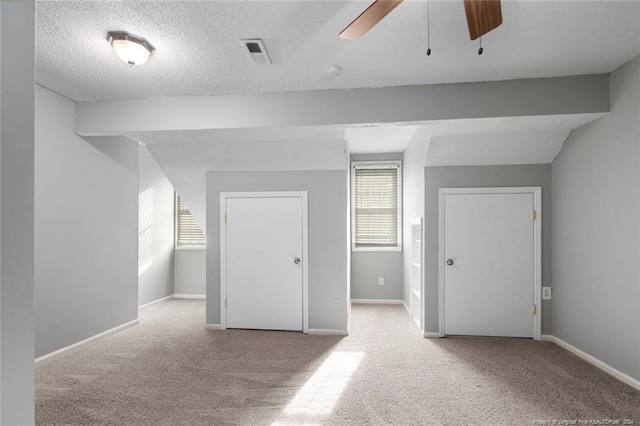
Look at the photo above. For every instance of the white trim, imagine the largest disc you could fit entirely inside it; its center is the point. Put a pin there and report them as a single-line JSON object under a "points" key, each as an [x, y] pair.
{"points": [[189, 296], [407, 308], [375, 165], [213, 327], [440, 260], [537, 247], [377, 301], [327, 332], [156, 301], [623, 377], [305, 260], [223, 262], [62, 351], [378, 249], [431, 334], [304, 195]]}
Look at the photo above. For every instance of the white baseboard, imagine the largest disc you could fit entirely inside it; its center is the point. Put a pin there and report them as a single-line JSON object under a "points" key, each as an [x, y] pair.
{"points": [[78, 345], [378, 301], [406, 307], [623, 377], [189, 296], [327, 332], [156, 301], [431, 334], [547, 338], [212, 327]]}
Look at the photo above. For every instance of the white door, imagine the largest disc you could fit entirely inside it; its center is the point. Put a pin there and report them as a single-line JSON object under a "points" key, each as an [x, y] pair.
{"points": [[489, 262], [264, 261]]}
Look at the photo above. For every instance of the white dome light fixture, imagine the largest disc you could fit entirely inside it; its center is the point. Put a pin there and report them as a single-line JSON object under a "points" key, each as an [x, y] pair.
{"points": [[132, 49]]}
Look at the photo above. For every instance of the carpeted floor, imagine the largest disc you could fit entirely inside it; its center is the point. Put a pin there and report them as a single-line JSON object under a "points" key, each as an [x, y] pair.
{"points": [[170, 371]]}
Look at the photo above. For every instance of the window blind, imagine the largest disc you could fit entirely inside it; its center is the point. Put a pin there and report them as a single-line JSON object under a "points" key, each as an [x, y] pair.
{"points": [[188, 233], [376, 206]]}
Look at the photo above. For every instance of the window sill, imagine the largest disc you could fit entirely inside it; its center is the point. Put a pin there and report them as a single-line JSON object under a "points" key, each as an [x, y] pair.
{"points": [[377, 249], [191, 248]]}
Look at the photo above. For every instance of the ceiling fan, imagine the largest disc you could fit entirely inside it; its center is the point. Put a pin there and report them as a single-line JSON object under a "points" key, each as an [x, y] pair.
{"points": [[482, 17]]}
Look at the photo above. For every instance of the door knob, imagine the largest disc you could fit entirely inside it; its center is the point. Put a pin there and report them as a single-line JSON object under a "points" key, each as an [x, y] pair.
{"points": [[296, 260], [449, 262]]}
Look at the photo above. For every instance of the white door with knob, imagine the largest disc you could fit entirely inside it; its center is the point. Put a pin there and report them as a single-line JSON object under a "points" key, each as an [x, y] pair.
{"points": [[263, 255], [490, 262]]}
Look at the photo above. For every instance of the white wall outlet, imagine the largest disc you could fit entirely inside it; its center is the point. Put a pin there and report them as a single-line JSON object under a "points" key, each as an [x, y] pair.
{"points": [[546, 293], [335, 303], [381, 281]]}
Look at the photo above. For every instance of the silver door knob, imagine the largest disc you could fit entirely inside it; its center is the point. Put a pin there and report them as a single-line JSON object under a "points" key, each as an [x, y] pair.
{"points": [[449, 262], [296, 260]]}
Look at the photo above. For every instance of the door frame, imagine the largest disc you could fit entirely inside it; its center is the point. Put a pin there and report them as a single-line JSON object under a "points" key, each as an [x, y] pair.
{"points": [[536, 191], [303, 195]]}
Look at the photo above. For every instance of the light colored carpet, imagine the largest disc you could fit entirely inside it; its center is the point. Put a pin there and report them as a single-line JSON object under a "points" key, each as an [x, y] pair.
{"points": [[170, 371]]}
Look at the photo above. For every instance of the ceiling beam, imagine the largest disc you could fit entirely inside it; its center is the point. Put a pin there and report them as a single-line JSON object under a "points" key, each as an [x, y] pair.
{"points": [[389, 105]]}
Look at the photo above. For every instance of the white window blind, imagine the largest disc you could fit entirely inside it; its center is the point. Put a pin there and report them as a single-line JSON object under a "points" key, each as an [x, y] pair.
{"points": [[188, 233], [376, 195]]}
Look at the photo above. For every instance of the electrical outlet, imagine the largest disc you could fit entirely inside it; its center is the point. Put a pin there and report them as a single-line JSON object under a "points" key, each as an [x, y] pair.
{"points": [[335, 303], [380, 281], [546, 293]]}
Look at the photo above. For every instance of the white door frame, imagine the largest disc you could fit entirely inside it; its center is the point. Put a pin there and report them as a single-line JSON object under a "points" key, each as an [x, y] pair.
{"points": [[224, 196], [536, 191]]}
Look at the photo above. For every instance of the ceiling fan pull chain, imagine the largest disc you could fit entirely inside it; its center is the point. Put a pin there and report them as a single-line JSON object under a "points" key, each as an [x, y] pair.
{"points": [[428, 30], [480, 50]]}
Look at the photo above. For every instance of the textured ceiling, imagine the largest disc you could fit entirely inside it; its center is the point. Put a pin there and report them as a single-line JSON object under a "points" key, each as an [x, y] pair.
{"points": [[198, 50], [198, 53]]}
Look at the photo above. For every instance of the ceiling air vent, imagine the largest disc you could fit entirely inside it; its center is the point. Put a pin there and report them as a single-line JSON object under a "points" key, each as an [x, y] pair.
{"points": [[256, 51]]}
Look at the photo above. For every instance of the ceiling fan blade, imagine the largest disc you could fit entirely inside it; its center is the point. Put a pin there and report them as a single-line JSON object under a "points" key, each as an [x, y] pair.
{"points": [[369, 18], [482, 16]]}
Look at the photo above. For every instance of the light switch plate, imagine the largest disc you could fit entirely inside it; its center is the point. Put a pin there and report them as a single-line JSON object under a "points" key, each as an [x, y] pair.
{"points": [[546, 293]]}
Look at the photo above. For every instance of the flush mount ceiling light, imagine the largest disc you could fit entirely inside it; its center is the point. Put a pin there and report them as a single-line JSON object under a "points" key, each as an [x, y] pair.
{"points": [[131, 49]]}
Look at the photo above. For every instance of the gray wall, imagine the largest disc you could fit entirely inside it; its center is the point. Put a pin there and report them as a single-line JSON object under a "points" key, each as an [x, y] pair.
{"points": [[155, 230], [481, 176], [596, 298], [368, 266], [190, 271], [327, 236], [86, 245], [413, 161], [17, 55]]}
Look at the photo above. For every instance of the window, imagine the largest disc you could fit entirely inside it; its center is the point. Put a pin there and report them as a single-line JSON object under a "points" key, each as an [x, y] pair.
{"points": [[188, 233], [376, 189]]}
